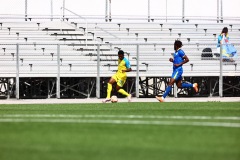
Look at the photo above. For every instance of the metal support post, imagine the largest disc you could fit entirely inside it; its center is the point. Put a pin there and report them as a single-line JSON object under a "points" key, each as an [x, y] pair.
{"points": [[217, 11], [49, 88], [26, 10], [148, 10], [110, 18], [58, 72], [221, 11], [98, 72], [175, 89], [8, 88], [51, 10], [106, 11], [17, 72], [183, 10], [63, 9], [137, 76], [166, 10], [221, 76]]}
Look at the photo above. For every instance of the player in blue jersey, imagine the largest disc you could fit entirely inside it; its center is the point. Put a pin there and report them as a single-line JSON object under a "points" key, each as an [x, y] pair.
{"points": [[119, 77], [179, 58]]}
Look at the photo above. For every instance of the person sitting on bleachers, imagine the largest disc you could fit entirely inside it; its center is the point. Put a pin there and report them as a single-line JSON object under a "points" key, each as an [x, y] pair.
{"points": [[223, 38]]}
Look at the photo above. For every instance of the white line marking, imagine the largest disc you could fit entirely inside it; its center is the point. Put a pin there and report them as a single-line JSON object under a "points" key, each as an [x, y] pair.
{"points": [[77, 119], [116, 116], [135, 122]]}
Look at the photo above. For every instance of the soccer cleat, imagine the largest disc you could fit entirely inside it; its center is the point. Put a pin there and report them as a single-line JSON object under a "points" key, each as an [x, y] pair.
{"points": [[160, 99], [195, 87], [129, 98], [106, 100]]}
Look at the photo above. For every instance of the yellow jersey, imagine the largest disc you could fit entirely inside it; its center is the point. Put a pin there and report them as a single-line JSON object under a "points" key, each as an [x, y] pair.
{"points": [[123, 65]]}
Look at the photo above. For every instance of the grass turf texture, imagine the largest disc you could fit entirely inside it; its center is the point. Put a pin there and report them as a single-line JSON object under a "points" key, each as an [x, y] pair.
{"points": [[114, 131]]}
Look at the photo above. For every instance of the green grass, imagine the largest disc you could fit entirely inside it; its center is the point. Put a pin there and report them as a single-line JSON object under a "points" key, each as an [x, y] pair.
{"points": [[120, 131]]}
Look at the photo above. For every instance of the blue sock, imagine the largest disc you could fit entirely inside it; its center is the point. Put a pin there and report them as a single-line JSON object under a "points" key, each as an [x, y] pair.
{"points": [[187, 85], [168, 90]]}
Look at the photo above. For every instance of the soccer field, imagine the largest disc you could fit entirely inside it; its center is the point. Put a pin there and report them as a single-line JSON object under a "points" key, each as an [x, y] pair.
{"points": [[141, 131]]}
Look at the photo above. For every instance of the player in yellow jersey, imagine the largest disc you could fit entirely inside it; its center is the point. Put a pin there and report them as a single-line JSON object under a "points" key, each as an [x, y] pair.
{"points": [[119, 77]]}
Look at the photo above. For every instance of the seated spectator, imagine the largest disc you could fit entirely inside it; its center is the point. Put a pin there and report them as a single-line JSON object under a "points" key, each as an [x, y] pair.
{"points": [[223, 38]]}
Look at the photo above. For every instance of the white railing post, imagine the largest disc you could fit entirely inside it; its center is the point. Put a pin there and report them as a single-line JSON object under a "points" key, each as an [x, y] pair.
{"points": [[17, 72], [63, 11], [58, 72], [175, 89], [217, 11], [166, 10], [183, 10], [110, 10], [98, 72], [51, 10], [106, 11], [221, 11], [148, 10], [137, 76], [26, 10], [221, 73]]}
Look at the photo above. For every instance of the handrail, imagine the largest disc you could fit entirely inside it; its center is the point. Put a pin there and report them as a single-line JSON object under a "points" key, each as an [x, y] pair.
{"points": [[119, 17], [86, 22]]}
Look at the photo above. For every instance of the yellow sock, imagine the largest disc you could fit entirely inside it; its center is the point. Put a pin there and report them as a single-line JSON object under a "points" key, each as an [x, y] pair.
{"points": [[123, 92], [109, 90]]}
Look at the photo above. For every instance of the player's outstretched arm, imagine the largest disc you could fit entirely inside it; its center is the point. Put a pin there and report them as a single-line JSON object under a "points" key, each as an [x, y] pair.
{"points": [[127, 70]]}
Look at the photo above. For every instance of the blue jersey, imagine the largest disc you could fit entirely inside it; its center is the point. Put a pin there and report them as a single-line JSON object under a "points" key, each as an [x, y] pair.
{"points": [[178, 58]]}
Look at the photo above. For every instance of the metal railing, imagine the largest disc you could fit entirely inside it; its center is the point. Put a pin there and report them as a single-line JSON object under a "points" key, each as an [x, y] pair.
{"points": [[61, 60]]}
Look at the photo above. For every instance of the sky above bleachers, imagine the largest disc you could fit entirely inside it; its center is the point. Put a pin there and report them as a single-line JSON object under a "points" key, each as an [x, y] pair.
{"points": [[123, 7]]}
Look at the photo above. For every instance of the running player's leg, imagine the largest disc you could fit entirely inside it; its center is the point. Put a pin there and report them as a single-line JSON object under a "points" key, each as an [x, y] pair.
{"points": [[119, 88], [168, 90], [109, 88], [175, 76], [187, 85], [122, 91]]}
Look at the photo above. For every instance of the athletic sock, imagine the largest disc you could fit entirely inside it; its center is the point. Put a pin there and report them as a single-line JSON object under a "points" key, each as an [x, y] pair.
{"points": [[123, 92], [168, 90], [109, 90], [187, 85]]}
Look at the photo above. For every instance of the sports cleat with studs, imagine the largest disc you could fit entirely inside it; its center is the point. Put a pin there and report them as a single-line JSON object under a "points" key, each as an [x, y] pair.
{"points": [[106, 100], [129, 98], [160, 99], [195, 87]]}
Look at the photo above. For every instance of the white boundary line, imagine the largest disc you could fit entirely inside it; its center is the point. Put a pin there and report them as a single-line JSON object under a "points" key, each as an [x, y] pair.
{"points": [[135, 122], [116, 116], [95, 100], [66, 118]]}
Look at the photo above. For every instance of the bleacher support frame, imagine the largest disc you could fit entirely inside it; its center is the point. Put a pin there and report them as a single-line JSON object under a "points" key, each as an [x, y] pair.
{"points": [[84, 55], [79, 86]]}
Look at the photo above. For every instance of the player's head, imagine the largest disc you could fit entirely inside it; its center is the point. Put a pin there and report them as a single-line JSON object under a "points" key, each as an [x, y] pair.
{"points": [[225, 30], [177, 45], [120, 54]]}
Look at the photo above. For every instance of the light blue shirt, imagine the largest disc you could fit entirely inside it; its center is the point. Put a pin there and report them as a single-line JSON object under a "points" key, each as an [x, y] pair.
{"points": [[220, 37]]}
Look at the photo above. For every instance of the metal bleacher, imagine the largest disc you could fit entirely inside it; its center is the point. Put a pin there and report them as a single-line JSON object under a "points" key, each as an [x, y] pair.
{"points": [[70, 48]]}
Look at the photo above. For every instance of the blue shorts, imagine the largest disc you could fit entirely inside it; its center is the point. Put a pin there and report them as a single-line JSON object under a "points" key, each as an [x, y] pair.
{"points": [[177, 75]]}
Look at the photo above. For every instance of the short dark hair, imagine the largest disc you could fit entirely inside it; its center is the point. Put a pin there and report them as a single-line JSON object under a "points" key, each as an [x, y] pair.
{"points": [[121, 52], [177, 44], [225, 30]]}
